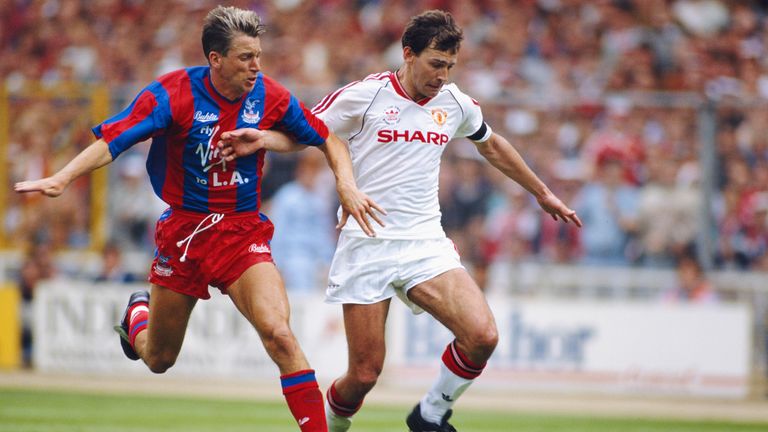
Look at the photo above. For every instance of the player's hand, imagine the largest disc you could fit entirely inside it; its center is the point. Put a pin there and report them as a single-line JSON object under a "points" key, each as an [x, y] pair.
{"points": [[49, 186], [241, 142], [360, 206], [552, 205]]}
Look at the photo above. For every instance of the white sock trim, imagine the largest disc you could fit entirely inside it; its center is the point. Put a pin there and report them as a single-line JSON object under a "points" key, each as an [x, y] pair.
{"points": [[137, 310], [336, 423]]}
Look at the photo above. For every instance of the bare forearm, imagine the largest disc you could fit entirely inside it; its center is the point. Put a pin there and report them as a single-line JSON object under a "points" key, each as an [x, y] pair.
{"points": [[92, 157], [353, 202], [502, 155], [338, 160], [281, 143], [246, 141]]}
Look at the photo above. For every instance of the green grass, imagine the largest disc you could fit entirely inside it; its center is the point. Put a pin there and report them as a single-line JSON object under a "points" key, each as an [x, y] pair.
{"points": [[56, 411]]}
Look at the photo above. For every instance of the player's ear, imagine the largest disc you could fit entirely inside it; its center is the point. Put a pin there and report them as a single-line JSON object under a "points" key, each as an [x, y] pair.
{"points": [[408, 54], [214, 59]]}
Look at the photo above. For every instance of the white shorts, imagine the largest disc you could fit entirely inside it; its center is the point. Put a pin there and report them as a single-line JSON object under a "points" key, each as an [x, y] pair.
{"points": [[369, 270]]}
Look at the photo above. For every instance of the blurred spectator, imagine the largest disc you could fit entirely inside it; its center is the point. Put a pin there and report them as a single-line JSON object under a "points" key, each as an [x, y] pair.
{"points": [[279, 169], [615, 136], [29, 275], [464, 207], [558, 242], [593, 69], [37, 266], [750, 242], [512, 225], [112, 269], [133, 205], [467, 197], [667, 213], [607, 206], [302, 212], [693, 286]]}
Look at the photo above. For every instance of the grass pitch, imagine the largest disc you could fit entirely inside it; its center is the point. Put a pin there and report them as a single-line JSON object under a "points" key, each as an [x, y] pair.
{"points": [[56, 411]]}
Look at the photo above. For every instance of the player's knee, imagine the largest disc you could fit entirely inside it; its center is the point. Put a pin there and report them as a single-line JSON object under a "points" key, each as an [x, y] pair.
{"points": [[160, 363], [279, 341], [366, 377], [491, 338], [485, 340], [366, 371]]}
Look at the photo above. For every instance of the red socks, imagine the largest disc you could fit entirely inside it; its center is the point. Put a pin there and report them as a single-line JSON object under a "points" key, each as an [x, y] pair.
{"points": [[458, 363], [138, 317], [305, 400], [338, 405]]}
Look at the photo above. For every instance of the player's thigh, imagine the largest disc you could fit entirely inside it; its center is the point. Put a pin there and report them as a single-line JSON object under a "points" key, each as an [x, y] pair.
{"points": [[169, 313], [455, 300], [259, 294], [365, 328]]}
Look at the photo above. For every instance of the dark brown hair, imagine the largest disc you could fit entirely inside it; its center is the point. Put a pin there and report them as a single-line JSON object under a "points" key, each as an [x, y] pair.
{"points": [[432, 29]]}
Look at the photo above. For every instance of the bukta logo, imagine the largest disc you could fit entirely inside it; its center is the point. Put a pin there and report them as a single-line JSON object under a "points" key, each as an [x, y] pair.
{"points": [[258, 248], [205, 117]]}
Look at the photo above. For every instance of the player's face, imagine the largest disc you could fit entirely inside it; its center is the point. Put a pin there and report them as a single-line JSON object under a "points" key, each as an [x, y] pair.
{"points": [[429, 70], [234, 74]]}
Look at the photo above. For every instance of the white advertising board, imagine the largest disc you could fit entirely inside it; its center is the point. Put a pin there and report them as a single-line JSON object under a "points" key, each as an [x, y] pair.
{"points": [[73, 333], [607, 347], [565, 346]]}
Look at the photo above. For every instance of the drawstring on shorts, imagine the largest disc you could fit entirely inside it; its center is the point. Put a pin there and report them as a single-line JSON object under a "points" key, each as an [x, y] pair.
{"points": [[215, 218]]}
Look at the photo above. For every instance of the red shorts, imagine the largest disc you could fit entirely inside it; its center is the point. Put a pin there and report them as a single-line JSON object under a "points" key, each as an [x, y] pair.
{"points": [[217, 255]]}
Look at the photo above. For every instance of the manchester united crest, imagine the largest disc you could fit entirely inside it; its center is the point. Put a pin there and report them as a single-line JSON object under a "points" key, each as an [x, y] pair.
{"points": [[440, 116]]}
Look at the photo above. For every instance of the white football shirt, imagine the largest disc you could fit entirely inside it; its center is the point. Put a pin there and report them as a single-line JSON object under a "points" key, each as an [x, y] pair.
{"points": [[396, 145]]}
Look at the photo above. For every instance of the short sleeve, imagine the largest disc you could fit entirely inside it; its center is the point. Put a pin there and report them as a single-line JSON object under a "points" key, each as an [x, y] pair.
{"points": [[284, 111], [148, 115], [473, 126], [344, 109], [303, 125]]}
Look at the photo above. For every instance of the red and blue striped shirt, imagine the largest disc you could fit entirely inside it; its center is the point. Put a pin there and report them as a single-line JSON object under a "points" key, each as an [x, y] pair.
{"points": [[184, 115]]}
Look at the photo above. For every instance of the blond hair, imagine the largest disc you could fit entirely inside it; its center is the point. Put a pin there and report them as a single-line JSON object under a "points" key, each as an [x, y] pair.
{"points": [[223, 23]]}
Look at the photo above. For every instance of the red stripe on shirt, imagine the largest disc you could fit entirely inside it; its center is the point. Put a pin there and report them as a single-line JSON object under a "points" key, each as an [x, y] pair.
{"points": [[276, 99], [377, 76], [142, 108], [328, 100], [179, 89], [260, 156], [222, 198], [315, 123]]}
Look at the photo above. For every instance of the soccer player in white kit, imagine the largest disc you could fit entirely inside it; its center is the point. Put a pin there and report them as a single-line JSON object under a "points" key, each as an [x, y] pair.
{"points": [[397, 125]]}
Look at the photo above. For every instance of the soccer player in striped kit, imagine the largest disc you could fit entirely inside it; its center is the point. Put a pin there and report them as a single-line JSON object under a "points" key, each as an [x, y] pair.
{"points": [[213, 233], [397, 125]]}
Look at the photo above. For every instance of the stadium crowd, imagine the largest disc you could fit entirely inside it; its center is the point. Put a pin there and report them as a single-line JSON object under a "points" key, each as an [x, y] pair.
{"points": [[602, 98]]}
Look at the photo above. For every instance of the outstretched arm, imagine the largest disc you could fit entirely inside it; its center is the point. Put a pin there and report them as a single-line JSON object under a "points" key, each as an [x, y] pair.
{"points": [[246, 141], [503, 155], [94, 156], [243, 142], [353, 201]]}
